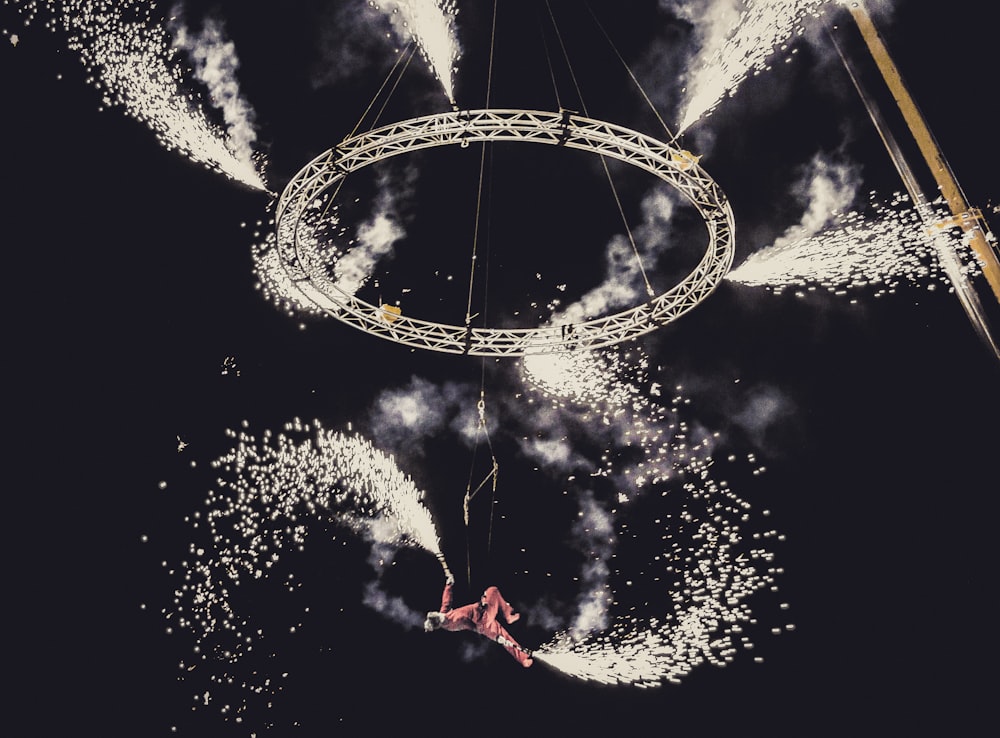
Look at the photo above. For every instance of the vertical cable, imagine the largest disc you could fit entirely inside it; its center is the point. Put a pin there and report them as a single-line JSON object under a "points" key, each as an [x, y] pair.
{"points": [[604, 162]]}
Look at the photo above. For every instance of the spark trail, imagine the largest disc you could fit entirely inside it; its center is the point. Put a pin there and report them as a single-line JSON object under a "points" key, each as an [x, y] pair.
{"points": [[888, 248], [706, 567], [132, 62], [727, 59], [431, 23], [269, 491]]}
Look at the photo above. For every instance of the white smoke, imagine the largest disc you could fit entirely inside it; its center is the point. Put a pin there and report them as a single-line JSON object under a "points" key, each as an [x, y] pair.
{"points": [[215, 63], [384, 538], [826, 188], [403, 418], [623, 284], [391, 607], [553, 452], [713, 20], [595, 537], [376, 239], [378, 235], [763, 409]]}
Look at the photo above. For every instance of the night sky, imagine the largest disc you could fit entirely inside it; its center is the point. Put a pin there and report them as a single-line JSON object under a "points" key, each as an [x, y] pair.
{"points": [[133, 319]]}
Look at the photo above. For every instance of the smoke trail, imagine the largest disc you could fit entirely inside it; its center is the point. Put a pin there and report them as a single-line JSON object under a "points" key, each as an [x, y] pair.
{"points": [[623, 281], [431, 23], [594, 532], [735, 46], [391, 607], [383, 552], [376, 237], [215, 64], [760, 413], [402, 419], [827, 189], [344, 250], [129, 60]]}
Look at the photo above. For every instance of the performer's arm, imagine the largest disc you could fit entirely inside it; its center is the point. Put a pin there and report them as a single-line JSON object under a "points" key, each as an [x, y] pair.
{"points": [[446, 595]]}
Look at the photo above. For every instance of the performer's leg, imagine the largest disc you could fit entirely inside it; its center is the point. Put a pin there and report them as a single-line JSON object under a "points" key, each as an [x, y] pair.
{"points": [[493, 594], [506, 640], [490, 602]]}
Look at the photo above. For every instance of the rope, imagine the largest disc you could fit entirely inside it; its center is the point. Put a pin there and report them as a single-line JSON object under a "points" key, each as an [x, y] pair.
{"points": [[471, 493], [671, 134], [604, 162], [481, 405]]}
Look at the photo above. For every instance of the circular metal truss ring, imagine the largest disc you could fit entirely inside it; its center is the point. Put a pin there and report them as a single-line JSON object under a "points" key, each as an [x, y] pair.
{"points": [[671, 164]]}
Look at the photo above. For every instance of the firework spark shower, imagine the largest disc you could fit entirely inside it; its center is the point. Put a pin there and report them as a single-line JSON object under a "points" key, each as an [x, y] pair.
{"points": [[709, 528], [708, 565], [132, 62], [431, 23], [730, 54]]}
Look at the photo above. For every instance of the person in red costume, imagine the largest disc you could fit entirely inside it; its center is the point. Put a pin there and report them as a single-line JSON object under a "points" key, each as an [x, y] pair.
{"points": [[481, 617]]}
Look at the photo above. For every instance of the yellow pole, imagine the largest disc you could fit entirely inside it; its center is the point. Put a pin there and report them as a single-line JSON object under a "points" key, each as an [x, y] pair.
{"points": [[970, 220]]}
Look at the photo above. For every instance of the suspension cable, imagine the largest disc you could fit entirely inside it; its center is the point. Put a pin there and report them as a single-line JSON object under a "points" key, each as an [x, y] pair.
{"points": [[481, 405], [399, 78], [492, 475], [671, 134], [411, 48], [548, 61], [604, 162], [482, 170]]}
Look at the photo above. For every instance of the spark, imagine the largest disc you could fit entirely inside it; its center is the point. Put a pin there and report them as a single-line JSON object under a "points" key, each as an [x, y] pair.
{"points": [[890, 247], [130, 60], [269, 490], [707, 559], [431, 23], [763, 27]]}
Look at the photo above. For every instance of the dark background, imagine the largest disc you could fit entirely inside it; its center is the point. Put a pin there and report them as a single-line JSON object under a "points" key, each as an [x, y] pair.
{"points": [[129, 280]]}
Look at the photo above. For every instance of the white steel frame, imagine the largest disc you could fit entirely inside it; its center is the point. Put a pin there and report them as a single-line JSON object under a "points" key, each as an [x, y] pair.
{"points": [[672, 165]]}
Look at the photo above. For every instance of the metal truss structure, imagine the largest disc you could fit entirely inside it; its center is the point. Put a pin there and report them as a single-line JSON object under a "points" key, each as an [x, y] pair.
{"points": [[679, 168]]}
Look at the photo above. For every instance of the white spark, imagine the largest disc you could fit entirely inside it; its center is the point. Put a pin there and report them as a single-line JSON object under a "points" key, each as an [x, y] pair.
{"points": [[129, 60], [710, 578], [881, 251], [728, 58], [270, 490], [431, 23]]}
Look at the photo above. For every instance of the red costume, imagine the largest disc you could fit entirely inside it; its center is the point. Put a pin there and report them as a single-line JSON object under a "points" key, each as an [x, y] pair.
{"points": [[482, 617]]}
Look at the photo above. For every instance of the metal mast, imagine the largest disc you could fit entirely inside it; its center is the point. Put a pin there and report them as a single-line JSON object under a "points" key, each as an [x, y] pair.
{"points": [[969, 219]]}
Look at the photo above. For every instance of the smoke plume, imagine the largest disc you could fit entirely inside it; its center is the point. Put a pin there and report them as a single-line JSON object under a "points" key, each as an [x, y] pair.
{"points": [[215, 64]]}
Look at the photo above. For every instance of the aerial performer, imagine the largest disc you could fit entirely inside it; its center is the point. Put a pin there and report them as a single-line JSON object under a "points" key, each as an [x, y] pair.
{"points": [[479, 616]]}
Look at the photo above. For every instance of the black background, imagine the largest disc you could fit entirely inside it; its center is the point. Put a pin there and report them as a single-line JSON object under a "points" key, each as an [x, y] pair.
{"points": [[129, 280]]}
